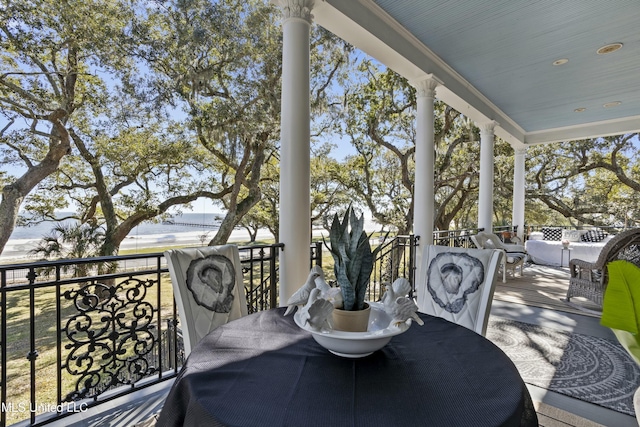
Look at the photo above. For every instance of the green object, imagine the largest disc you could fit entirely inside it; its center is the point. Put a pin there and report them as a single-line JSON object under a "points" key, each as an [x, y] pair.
{"points": [[353, 258], [621, 305]]}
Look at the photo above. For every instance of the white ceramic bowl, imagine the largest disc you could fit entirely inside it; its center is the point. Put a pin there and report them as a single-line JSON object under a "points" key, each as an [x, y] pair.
{"points": [[358, 344]]}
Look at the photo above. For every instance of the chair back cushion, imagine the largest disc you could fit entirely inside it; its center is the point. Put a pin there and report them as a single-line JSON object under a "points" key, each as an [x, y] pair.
{"points": [[489, 241], [457, 284], [485, 240], [208, 288]]}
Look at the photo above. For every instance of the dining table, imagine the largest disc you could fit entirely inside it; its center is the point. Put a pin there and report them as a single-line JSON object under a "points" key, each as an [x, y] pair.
{"points": [[264, 370]]}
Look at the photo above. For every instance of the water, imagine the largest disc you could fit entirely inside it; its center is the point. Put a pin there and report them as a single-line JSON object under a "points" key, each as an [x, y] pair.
{"points": [[211, 220]]}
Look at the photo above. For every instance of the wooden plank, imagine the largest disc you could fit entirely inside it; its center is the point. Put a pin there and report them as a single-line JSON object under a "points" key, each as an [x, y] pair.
{"points": [[550, 416], [543, 287]]}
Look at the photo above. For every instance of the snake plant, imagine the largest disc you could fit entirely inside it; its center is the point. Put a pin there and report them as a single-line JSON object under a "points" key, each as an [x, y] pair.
{"points": [[353, 258]]}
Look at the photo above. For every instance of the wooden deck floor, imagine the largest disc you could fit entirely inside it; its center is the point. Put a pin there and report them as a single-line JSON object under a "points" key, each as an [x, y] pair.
{"points": [[543, 287]]}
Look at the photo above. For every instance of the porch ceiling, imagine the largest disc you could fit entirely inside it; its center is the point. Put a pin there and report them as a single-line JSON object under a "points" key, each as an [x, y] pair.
{"points": [[495, 59]]}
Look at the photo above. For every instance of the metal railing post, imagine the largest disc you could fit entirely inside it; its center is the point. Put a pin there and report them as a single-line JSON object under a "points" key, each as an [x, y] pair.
{"points": [[413, 243], [319, 254], [159, 316], [3, 357], [33, 353], [273, 278], [58, 335]]}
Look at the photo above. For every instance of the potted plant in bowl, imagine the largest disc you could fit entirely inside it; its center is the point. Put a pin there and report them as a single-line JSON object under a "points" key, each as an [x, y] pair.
{"points": [[353, 264]]}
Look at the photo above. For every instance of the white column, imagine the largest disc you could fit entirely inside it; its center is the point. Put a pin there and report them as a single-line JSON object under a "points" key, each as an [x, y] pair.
{"points": [[295, 228], [424, 156], [518, 190], [485, 197]]}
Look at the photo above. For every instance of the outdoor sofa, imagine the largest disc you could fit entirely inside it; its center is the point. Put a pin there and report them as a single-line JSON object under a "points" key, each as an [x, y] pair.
{"points": [[545, 247]]}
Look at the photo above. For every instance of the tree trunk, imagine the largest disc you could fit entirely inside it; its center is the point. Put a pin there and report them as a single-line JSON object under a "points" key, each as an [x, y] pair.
{"points": [[253, 234], [13, 194], [237, 209]]}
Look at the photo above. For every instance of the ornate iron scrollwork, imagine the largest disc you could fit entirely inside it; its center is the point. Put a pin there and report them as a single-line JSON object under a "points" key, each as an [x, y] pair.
{"points": [[110, 338]]}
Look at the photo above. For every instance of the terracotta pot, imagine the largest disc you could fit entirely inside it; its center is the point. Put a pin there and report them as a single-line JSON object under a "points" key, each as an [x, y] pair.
{"points": [[351, 321]]}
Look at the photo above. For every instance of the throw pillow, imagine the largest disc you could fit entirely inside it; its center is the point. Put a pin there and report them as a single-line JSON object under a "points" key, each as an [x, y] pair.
{"points": [[551, 233], [594, 236], [572, 235]]}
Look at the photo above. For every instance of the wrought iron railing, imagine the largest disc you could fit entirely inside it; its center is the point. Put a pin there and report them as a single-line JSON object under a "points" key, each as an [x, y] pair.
{"points": [[395, 258], [77, 333], [455, 238]]}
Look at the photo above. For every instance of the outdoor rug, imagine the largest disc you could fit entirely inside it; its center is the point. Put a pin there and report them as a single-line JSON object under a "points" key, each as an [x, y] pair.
{"points": [[593, 369]]}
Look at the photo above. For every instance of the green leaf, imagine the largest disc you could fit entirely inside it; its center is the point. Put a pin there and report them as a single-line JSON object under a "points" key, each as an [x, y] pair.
{"points": [[353, 259]]}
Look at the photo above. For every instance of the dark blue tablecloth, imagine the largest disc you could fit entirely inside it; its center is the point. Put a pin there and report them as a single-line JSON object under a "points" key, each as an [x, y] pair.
{"points": [[262, 370]]}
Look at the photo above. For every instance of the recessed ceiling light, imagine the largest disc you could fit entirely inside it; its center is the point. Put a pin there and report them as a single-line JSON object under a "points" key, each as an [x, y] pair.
{"points": [[560, 61], [580, 110], [609, 48], [611, 104]]}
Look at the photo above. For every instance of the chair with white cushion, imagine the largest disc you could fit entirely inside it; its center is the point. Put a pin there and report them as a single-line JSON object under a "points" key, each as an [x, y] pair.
{"points": [[457, 284], [515, 255], [208, 289]]}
